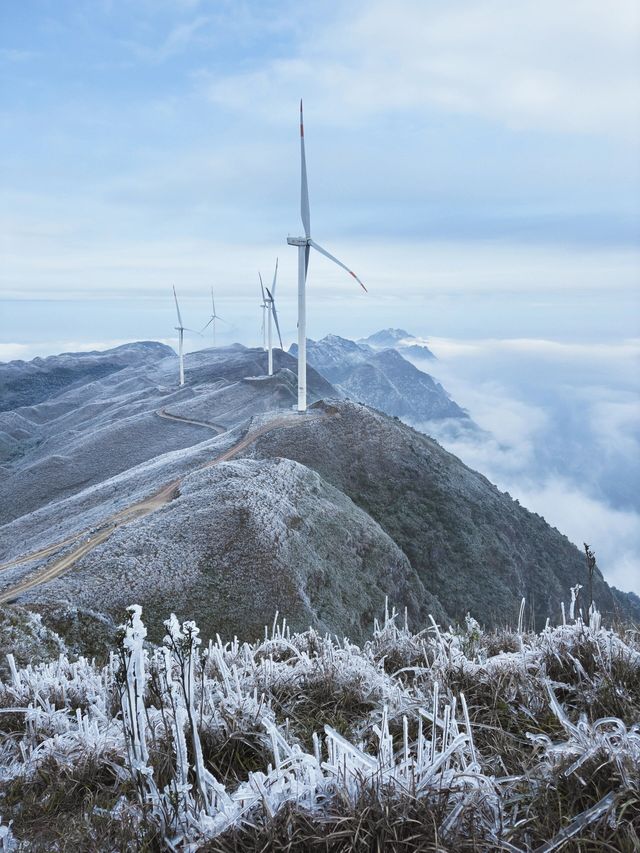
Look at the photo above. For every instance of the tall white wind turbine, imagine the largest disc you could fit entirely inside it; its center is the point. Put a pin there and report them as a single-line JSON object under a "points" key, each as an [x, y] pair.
{"points": [[304, 245], [213, 318], [181, 330], [270, 304], [264, 308]]}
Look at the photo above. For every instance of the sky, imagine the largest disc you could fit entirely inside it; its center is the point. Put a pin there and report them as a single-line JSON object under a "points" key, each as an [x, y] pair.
{"points": [[475, 161]]}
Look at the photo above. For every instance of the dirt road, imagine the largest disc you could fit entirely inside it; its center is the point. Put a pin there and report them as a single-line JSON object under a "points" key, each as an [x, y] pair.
{"points": [[217, 428], [124, 514], [138, 510]]}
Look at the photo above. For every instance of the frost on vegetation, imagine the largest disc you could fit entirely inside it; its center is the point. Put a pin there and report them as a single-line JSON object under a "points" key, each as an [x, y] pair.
{"points": [[206, 740], [8, 842]]}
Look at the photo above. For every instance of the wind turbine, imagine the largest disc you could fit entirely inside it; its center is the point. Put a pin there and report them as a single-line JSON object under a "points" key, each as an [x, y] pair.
{"points": [[270, 305], [304, 245], [264, 308], [213, 318], [181, 330]]}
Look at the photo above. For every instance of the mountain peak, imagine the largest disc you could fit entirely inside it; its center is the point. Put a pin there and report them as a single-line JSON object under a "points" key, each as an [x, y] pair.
{"points": [[400, 340], [388, 337], [382, 377]]}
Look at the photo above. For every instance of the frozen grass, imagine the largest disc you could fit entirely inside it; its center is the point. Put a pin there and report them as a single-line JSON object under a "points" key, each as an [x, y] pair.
{"points": [[442, 740]]}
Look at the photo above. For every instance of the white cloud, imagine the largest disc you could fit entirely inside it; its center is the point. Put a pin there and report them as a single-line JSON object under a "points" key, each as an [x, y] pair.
{"points": [[11, 351], [36, 349], [177, 40], [562, 67], [564, 424], [614, 534], [549, 350]]}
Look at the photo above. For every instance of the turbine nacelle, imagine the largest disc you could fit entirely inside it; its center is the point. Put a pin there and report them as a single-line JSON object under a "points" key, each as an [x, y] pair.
{"points": [[299, 241]]}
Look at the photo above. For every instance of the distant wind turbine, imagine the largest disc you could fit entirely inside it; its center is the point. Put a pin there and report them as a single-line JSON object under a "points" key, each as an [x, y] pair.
{"points": [[304, 245], [264, 308], [213, 318], [270, 305], [181, 330]]}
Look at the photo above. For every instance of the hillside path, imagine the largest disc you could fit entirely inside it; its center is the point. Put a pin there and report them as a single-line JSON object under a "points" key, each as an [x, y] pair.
{"points": [[137, 510], [217, 428]]}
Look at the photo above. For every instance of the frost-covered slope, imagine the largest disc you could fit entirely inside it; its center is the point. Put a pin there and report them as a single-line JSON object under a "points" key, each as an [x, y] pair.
{"points": [[472, 546], [99, 428], [320, 515], [25, 383], [243, 540], [87, 509]]}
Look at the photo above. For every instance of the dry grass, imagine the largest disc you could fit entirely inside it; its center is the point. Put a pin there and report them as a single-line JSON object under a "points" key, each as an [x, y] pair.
{"points": [[390, 825], [71, 809], [85, 801]]}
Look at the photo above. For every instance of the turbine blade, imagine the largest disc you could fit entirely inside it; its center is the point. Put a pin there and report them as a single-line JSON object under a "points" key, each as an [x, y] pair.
{"points": [[304, 188], [213, 304], [195, 331], [275, 317], [336, 261], [208, 324], [307, 252], [177, 306], [275, 276], [261, 286]]}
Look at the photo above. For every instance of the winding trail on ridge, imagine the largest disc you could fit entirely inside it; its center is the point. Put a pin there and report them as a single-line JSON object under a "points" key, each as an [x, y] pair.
{"points": [[217, 428], [137, 510]]}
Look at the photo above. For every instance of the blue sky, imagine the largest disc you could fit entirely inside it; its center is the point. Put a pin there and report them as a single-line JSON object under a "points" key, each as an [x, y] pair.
{"points": [[480, 148]]}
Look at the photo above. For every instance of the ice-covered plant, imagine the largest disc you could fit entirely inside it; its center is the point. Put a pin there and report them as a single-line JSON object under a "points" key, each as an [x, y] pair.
{"points": [[240, 737], [8, 843]]}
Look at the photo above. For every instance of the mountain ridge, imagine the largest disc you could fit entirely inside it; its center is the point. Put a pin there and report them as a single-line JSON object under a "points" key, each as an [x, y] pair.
{"points": [[320, 515]]}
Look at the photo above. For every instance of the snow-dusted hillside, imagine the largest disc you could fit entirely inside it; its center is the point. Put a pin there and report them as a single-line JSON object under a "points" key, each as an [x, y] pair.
{"points": [[25, 383], [101, 427], [243, 540], [382, 378], [219, 498]]}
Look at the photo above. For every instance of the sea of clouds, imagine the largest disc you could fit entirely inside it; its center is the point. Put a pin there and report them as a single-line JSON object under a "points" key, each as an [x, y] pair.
{"points": [[561, 432]]}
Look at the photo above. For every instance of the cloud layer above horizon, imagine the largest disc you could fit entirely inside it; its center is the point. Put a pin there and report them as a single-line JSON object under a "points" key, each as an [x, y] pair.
{"points": [[145, 143], [562, 426]]}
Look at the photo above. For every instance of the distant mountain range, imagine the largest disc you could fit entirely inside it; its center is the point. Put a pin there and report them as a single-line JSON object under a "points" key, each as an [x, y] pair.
{"points": [[402, 341], [217, 500], [381, 377]]}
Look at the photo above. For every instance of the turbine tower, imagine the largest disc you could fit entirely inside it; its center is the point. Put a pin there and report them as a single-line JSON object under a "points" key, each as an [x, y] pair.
{"points": [[213, 318], [304, 245], [264, 308], [181, 330], [270, 304]]}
